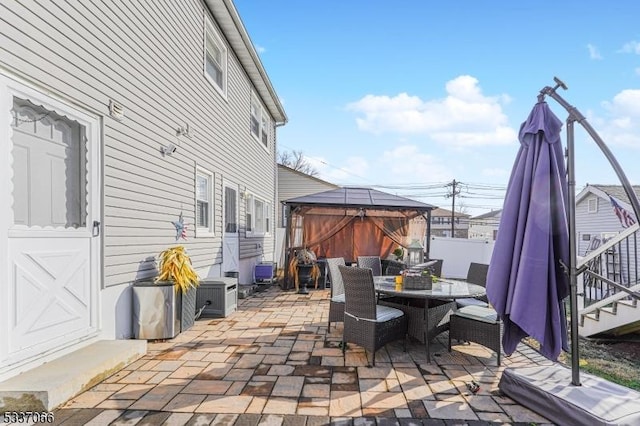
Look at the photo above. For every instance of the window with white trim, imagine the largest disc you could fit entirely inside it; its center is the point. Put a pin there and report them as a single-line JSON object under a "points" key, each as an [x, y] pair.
{"points": [[259, 121], [592, 205], [215, 58], [264, 129], [248, 208], [258, 216], [204, 204]]}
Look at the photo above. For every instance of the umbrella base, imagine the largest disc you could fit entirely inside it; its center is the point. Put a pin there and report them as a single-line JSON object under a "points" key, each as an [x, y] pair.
{"points": [[548, 391]]}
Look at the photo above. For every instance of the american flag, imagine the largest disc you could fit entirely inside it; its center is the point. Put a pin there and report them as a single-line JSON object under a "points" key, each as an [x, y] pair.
{"points": [[626, 219]]}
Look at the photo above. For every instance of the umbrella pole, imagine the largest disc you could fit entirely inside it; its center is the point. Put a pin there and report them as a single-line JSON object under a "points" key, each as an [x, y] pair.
{"points": [[573, 278], [575, 115]]}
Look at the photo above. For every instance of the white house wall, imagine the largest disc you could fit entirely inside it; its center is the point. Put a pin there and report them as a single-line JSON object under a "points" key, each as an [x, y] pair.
{"points": [[148, 57]]}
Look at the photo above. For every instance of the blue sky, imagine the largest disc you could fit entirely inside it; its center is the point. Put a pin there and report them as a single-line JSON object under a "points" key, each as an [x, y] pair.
{"points": [[406, 96]]}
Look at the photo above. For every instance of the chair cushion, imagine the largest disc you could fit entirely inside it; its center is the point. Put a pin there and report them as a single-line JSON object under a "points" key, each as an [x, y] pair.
{"points": [[469, 301], [386, 313], [339, 298], [478, 313]]}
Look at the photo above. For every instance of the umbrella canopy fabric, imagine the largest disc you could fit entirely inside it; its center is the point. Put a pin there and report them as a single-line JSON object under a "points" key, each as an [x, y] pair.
{"points": [[526, 283]]}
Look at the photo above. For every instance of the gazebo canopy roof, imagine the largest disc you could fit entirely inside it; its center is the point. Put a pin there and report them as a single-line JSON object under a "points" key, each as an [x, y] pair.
{"points": [[357, 198]]}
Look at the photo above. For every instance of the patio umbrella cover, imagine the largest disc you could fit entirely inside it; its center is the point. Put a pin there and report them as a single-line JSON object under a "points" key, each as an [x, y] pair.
{"points": [[526, 283]]}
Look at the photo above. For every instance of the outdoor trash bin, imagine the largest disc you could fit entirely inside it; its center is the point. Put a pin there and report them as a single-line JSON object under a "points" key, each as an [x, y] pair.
{"points": [[156, 310]]}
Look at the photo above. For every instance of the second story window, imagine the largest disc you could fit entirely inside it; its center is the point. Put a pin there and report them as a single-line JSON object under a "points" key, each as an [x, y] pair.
{"points": [[255, 118], [264, 130], [215, 61], [259, 121]]}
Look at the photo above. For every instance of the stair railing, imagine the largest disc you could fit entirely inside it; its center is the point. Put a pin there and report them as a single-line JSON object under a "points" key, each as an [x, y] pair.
{"points": [[600, 282]]}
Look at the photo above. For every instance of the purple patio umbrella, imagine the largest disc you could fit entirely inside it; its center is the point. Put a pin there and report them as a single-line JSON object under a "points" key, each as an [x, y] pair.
{"points": [[526, 283]]}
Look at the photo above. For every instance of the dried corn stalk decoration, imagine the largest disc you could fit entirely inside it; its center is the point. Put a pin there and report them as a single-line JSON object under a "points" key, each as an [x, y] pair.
{"points": [[175, 265]]}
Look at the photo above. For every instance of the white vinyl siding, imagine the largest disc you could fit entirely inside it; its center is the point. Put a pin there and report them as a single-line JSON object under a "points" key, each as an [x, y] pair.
{"points": [[204, 202], [215, 58], [148, 57]]}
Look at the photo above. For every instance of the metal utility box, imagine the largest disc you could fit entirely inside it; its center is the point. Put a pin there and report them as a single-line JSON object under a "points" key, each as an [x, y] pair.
{"points": [[218, 296], [264, 273], [156, 310]]}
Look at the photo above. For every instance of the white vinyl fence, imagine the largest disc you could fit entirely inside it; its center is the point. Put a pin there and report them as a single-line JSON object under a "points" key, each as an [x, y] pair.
{"points": [[458, 253]]}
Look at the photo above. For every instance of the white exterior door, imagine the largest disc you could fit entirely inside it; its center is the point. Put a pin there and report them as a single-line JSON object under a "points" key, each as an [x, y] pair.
{"points": [[50, 225], [231, 239]]}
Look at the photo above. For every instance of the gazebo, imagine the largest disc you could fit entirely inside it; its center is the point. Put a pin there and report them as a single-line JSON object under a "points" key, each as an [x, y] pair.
{"points": [[349, 222]]}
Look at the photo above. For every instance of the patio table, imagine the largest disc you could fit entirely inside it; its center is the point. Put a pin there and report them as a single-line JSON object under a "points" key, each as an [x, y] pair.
{"points": [[428, 311]]}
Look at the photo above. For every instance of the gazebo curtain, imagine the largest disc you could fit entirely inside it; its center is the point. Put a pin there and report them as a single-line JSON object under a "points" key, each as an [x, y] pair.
{"points": [[350, 236]]}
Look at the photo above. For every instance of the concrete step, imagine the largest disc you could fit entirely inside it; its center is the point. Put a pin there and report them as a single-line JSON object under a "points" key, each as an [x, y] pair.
{"points": [[52, 384]]}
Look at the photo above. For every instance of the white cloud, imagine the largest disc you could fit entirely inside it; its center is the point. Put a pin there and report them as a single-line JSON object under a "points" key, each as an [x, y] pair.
{"points": [[259, 49], [465, 117], [621, 126], [495, 172], [593, 52], [353, 169], [631, 47], [407, 164]]}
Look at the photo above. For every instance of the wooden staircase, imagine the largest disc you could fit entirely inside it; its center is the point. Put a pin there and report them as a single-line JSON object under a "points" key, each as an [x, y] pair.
{"points": [[609, 288]]}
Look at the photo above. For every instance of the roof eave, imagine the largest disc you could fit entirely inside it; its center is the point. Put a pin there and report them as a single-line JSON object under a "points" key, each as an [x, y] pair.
{"points": [[231, 24]]}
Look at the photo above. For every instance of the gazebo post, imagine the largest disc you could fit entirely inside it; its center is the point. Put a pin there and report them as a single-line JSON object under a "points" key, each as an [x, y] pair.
{"points": [[287, 251]]}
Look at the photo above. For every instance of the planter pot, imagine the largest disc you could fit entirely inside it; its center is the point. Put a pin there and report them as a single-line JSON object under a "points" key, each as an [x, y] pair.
{"points": [[304, 277], [188, 308], [156, 310], [159, 312]]}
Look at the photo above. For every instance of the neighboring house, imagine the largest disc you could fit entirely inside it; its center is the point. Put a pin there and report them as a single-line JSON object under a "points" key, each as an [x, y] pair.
{"points": [[117, 119], [293, 183], [485, 226], [441, 223], [595, 217]]}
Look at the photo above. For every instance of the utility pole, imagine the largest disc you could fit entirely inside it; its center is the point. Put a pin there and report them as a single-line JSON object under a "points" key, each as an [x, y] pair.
{"points": [[453, 194]]}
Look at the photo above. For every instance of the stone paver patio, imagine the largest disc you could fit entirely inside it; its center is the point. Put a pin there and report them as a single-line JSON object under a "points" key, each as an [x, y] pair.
{"points": [[273, 362]]}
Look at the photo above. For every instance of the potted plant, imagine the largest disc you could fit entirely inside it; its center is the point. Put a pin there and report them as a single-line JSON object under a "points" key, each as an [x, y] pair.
{"points": [[398, 253], [303, 267], [174, 265], [166, 305]]}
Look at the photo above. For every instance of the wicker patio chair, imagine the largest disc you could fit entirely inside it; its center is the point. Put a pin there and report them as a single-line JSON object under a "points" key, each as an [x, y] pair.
{"points": [[367, 324], [476, 274], [477, 324], [336, 303], [434, 266], [372, 262], [436, 269]]}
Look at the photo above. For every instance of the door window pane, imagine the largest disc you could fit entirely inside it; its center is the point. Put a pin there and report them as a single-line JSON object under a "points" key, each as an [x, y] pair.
{"points": [[230, 207], [50, 176]]}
